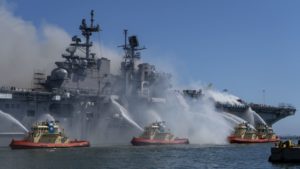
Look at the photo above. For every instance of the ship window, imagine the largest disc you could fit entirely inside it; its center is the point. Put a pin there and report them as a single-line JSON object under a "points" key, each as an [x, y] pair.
{"points": [[12, 106], [7, 105], [30, 112]]}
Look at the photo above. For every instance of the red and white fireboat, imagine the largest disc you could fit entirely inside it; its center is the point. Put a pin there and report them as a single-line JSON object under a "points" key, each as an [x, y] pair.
{"points": [[47, 135], [156, 134], [245, 134]]}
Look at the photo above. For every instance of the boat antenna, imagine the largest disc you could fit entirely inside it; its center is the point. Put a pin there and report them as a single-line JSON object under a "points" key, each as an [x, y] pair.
{"points": [[87, 32], [125, 38]]}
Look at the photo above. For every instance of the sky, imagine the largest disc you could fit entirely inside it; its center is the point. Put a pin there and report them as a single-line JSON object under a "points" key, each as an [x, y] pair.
{"points": [[246, 47]]}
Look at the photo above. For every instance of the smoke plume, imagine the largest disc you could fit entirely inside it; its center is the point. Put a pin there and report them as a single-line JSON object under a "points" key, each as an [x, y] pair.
{"points": [[25, 49]]}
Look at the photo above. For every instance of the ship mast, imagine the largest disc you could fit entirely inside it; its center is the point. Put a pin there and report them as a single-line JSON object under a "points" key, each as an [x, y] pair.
{"points": [[87, 32], [128, 65], [130, 50]]}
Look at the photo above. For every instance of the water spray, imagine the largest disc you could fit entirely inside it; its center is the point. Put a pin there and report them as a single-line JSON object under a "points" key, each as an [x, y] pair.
{"points": [[125, 113], [13, 120]]}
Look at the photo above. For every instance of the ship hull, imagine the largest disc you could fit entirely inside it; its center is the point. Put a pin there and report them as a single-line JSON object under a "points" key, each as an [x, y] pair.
{"points": [[141, 141], [24, 144], [233, 139]]}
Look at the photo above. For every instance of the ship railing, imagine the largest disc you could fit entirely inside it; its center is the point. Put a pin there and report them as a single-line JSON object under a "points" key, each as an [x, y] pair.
{"points": [[13, 88], [228, 105], [280, 105], [75, 91], [285, 105]]}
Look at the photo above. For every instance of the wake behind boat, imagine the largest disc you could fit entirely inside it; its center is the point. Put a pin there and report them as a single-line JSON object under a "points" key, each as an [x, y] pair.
{"points": [[157, 134], [47, 135]]}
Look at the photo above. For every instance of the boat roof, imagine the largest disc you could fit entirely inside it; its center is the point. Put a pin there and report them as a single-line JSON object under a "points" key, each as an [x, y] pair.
{"points": [[46, 124]]}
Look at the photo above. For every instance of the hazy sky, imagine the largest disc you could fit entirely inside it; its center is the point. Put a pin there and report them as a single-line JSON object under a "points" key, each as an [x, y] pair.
{"points": [[243, 46]]}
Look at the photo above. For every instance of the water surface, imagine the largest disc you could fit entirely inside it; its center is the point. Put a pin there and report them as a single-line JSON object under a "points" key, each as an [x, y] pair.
{"points": [[146, 157]]}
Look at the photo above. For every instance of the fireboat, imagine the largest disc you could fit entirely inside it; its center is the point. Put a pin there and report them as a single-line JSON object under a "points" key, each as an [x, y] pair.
{"points": [[47, 134], [157, 134], [245, 134]]}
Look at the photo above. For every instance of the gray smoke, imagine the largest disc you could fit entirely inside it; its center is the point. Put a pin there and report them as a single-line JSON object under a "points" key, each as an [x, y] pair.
{"points": [[114, 57], [24, 49]]}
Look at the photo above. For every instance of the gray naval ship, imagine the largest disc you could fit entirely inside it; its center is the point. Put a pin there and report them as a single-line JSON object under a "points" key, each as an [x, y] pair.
{"points": [[82, 86], [81, 89]]}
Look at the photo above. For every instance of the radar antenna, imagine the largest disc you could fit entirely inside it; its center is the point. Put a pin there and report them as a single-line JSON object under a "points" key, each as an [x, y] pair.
{"points": [[131, 53], [87, 33]]}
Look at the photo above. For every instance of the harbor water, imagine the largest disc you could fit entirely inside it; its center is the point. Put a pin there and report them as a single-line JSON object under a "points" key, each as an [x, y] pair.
{"points": [[253, 156]]}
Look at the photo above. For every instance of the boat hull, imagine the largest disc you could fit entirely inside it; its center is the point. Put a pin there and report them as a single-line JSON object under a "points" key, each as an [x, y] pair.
{"points": [[233, 139], [24, 144], [142, 141], [285, 152], [285, 155]]}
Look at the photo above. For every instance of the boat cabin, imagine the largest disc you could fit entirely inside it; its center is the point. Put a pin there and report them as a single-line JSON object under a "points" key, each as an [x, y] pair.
{"points": [[46, 127]]}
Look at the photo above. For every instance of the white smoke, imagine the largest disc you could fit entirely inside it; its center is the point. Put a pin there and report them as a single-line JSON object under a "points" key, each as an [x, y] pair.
{"points": [[46, 117], [199, 121], [215, 95], [195, 119], [25, 49], [222, 97], [114, 57], [22, 50]]}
